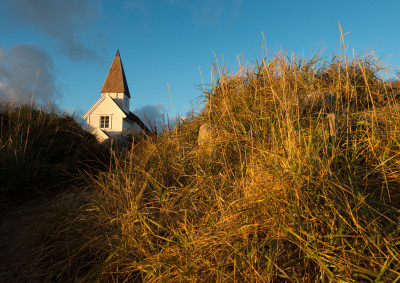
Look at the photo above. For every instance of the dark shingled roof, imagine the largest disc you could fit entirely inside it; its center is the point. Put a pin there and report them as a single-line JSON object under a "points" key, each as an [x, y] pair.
{"points": [[116, 81]]}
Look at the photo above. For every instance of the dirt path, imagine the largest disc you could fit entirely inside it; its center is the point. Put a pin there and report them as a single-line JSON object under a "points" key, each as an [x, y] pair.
{"points": [[14, 226]]}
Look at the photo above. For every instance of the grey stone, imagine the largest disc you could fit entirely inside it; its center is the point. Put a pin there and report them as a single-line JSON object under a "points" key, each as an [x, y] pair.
{"points": [[333, 124], [205, 134]]}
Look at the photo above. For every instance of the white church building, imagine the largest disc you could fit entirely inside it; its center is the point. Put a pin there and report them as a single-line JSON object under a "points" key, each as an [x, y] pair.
{"points": [[110, 115]]}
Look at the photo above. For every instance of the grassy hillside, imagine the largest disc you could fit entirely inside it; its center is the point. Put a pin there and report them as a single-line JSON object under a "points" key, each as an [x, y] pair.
{"points": [[272, 197]]}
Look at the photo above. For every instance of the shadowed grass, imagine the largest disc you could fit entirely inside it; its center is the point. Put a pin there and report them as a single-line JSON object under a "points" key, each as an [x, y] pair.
{"points": [[272, 197], [40, 150]]}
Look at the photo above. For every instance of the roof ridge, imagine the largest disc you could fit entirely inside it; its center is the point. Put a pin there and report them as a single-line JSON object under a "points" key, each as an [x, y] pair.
{"points": [[91, 109]]}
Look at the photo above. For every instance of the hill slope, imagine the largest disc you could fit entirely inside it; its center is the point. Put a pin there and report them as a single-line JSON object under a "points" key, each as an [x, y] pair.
{"points": [[273, 196]]}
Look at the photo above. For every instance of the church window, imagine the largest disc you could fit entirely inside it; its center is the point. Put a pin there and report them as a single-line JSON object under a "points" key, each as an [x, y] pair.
{"points": [[104, 122]]}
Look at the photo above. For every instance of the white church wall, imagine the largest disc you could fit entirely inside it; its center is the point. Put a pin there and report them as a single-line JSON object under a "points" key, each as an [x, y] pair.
{"points": [[107, 108]]}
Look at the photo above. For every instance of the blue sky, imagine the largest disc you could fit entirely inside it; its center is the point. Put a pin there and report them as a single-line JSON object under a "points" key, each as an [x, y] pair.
{"points": [[167, 42]]}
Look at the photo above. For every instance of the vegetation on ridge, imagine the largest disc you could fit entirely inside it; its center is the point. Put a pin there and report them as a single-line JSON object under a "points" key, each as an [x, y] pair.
{"points": [[40, 150], [272, 197]]}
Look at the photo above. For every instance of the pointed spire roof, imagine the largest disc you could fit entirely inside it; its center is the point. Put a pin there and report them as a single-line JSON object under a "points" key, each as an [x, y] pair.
{"points": [[116, 81]]}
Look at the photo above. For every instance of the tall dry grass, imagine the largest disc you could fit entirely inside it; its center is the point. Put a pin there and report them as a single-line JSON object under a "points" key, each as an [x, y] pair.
{"points": [[272, 197]]}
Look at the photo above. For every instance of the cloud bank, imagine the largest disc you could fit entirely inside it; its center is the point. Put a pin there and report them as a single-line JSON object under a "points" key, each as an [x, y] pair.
{"points": [[19, 67], [61, 20], [155, 115], [151, 115]]}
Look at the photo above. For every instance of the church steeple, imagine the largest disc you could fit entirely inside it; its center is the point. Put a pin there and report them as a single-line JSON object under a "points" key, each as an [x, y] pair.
{"points": [[116, 81]]}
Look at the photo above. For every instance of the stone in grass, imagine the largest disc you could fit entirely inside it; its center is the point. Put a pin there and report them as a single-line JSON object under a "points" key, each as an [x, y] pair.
{"points": [[205, 134], [333, 124]]}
